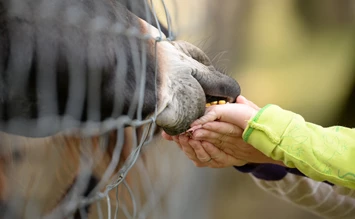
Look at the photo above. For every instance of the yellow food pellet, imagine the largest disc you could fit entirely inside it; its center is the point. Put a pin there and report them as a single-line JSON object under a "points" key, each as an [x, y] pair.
{"points": [[222, 102], [214, 103], [208, 104]]}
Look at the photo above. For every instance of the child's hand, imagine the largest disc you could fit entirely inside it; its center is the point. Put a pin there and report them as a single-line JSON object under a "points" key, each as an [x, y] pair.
{"points": [[219, 143], [227, 137], [237, 114], [204, 154]]}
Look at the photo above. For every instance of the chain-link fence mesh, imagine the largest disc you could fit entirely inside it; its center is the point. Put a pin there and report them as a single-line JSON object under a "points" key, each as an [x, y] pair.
{"points": [[85, 170], [92, 127]]}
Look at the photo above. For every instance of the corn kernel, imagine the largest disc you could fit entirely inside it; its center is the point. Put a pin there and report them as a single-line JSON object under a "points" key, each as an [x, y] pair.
{"points": [[208, 104], [214, 103], [222, 102]]}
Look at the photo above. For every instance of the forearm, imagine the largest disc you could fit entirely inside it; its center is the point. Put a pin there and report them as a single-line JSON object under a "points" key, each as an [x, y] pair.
{"points": [[317, 197], [324, 154]]}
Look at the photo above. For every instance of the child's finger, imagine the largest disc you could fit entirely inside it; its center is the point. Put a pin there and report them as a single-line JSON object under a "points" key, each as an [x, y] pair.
{"points": [[202, 134], [220, 156], [213, 151], [237, 114], [166, 136], [200, 152], [243, 100], [186, 147], [215, 138], [223, 128], [177, 141], [190, 152], [209, 116], [228, 144]]}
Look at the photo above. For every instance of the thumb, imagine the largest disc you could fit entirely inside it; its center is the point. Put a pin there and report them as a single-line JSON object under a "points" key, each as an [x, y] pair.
{"points": [[241, 99]]}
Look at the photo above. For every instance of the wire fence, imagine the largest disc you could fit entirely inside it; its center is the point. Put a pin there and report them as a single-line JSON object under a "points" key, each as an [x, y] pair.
{"points": [[103, 149]]}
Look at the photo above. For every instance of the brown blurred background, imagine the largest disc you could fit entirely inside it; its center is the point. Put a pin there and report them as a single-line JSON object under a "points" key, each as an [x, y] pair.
{"points": [[298, 54]]}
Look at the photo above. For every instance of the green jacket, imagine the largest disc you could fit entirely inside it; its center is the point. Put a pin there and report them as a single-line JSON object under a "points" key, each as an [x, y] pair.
{"points": [[323, 154]]}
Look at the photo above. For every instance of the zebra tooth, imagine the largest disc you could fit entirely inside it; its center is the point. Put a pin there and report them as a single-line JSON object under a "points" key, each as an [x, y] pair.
{"points": [[222, 102]]}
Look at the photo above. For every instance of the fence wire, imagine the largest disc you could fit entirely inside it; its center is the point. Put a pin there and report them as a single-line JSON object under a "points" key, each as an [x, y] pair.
{"points": [[89, 139]]}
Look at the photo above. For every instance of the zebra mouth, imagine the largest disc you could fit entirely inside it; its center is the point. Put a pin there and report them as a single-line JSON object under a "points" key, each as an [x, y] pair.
{"points": [[190, 81]]}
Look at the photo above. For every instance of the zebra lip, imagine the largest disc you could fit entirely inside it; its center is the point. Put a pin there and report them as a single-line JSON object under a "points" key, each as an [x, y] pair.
{"points": [[217, 86]]}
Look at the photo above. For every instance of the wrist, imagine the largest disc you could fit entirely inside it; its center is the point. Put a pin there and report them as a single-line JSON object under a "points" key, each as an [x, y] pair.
{"points": [[280, 163], [250, 117]]}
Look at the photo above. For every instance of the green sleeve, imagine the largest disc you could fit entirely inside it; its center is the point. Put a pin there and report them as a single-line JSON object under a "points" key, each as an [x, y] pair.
{"points": [[323, 154]]}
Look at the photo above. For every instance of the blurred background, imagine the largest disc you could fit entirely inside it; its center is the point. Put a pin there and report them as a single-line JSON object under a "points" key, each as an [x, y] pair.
{"points": [[298, 54]]}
